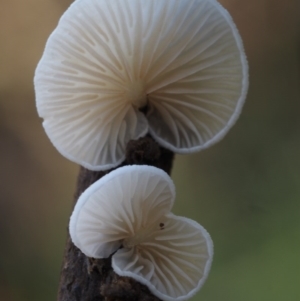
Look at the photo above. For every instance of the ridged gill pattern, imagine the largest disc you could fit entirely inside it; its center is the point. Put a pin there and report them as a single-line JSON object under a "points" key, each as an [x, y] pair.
{"points": [[130, 207], [108, 58]]}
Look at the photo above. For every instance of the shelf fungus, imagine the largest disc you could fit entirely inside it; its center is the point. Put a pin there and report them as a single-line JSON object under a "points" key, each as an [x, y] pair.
{"points": [[115, 70], [127, 213]]}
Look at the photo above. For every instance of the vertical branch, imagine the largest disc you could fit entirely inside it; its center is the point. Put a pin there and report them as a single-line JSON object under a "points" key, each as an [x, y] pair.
{"points": [[88, 279]]}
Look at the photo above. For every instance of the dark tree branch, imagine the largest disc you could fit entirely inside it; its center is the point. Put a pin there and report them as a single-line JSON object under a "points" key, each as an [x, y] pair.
{"points": [[89, 279]]}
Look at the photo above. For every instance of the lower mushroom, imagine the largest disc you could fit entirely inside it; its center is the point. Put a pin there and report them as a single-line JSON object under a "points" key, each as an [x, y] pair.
{"points": [[127, 209]]}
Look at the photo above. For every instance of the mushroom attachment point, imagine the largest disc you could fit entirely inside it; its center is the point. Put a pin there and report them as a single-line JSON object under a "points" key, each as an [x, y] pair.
{"points": [[115, 70], [127, 212]]}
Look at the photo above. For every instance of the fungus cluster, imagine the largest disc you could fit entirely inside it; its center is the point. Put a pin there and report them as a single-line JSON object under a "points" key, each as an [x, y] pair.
{"points": [[117, 70]]}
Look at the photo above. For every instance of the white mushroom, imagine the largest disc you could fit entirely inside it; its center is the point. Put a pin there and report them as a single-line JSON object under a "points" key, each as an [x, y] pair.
{"points": [[180, 62], [128, 212]]}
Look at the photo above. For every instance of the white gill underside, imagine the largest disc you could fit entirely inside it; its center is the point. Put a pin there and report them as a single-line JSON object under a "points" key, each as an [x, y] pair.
{"points": [[130, 208], [106, 59]]}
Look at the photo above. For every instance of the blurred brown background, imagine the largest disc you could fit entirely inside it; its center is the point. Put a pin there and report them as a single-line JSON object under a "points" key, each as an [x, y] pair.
{"points": [[245, 190]]}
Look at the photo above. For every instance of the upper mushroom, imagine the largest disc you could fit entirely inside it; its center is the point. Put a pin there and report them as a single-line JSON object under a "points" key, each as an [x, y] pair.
{"points": [[114, 70], [127, 212]]}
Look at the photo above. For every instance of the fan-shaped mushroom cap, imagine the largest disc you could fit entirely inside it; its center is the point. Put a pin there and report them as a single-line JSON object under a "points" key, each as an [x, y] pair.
{"points": [[130, 207], [107, 59]]}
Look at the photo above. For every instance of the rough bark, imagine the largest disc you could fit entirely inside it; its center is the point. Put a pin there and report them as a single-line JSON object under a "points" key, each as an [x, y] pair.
{"points": [[89, 279]]}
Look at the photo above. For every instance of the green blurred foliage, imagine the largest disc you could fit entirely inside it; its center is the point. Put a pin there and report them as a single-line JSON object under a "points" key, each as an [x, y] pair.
{"points": [[245, 190]]}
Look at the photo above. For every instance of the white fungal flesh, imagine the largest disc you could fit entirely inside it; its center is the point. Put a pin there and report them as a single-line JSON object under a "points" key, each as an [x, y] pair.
{"points": [[184, 60], [130, 207]]}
